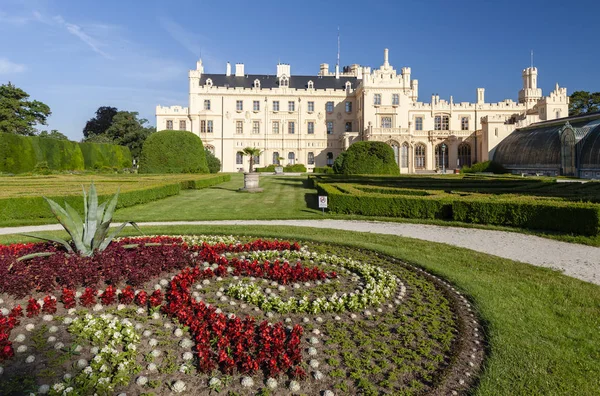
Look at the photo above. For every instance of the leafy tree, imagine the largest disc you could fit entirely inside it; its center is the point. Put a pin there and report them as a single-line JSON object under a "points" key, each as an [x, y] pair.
{"points": [[582, 102], [127, 130], [251, 152], [99, 124], [18, 114], [214, 164], [54, 134]]}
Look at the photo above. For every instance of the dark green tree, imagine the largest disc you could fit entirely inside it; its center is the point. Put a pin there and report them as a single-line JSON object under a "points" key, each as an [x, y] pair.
{"points": [[582, 102], [214, 164], [129, 130], [99, 124], [18, 114], [54, 134]]}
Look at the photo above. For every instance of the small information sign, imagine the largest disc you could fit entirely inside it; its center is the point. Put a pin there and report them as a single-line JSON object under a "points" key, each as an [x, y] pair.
{"points": [[323, 202]]}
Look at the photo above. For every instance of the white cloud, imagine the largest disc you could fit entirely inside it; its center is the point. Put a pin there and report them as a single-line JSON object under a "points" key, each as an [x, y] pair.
{"points": [[8, 67], [78, 32]]}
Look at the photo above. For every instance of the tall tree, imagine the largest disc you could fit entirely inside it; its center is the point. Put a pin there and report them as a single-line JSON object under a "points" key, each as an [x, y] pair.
{"points": [[18, 114], [582, 102], [54, 134], [101, 122], [129, 130]]}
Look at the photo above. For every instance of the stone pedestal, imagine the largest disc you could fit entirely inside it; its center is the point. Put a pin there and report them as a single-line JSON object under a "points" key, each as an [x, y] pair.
{"points": [[251, 182], [279, 170]]}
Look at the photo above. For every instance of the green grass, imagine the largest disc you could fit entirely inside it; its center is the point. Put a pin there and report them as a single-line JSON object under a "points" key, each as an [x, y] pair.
{"points": [[542, 328]]}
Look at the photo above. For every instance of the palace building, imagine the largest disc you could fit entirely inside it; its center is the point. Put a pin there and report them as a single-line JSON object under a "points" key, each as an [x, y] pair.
{"points": [[310, 120]]}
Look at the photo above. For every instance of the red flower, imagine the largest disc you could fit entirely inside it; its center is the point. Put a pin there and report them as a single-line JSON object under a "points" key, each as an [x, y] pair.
{"points": [[141, 298], [33, 308], [68, 298], [156, 298], [108, 296], [49, 305], [88, 298]]}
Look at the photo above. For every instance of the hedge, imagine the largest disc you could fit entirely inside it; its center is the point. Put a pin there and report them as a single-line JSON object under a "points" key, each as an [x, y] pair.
{"points": [[288, 168], [173, 152], [101, 155], [36, 207], [369, 158], [523, 212], [487, 166], [323, 169]]}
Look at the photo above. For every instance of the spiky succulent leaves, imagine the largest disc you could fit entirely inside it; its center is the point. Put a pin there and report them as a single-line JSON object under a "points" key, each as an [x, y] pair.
{"points": [[32, 255], [116, 232], [91, 216], [53, 239], [77, 234]]}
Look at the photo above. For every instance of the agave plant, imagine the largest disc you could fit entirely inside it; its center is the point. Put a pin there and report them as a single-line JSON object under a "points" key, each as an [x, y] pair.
{"points": [[90, 234]]}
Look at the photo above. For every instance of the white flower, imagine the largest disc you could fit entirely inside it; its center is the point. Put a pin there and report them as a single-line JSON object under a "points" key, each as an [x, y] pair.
{"points": [[178, 332], [47, 318], [71, 311], [81, 363], [68, 320], [78, 348], [314, 340], [178, 386], [120, 307], [153, 342], [316, 331], [188, 356], [43, 389], [30, 327], [186, 343], [141, 380], [319, 319], [4, 311], [151, 367], [164, 282], [214, 382], [156, 353], [138, 326], [247, 382], [147, 333], [22, 348], [140, 311], [53, 329], [318, 375], [313, 363], [156, 315], [272, 383], [88, 370], [67, 376], [328, 393], [312, 351], [58, 387], [30, 359], [294, 386], [94, 351]]}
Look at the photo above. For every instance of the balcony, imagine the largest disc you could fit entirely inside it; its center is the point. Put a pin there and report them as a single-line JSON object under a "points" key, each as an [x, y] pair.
{"points": [[389, 131]]}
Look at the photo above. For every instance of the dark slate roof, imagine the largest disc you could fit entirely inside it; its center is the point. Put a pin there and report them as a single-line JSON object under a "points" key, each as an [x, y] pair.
{"points": [[271, 81]]}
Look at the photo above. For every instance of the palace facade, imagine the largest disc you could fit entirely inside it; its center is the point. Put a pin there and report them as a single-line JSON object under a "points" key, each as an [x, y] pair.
{"points": [[312, 119]]}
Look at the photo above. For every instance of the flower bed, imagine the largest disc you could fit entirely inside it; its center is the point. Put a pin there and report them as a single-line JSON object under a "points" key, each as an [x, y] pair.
{"points": [[199, 314]]}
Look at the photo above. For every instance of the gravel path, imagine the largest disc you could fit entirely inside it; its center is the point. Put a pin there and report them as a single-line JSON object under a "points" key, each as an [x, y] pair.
{"points": [[579, 261]]}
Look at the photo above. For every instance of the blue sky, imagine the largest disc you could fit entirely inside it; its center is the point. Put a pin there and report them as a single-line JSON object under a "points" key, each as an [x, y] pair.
{"points": [[78, 55]]}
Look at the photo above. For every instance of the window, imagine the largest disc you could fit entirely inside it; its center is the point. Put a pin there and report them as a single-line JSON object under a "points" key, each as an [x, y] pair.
{"points": [[210, 148], [330, 159], [404, 155], [395, 99], [203, 126], [239, 105], [284, 81], [441, 123], [169, 124], [291, 105], [206, 104], [239, 127], [182, 125], [419, 156], [311, 127], [311, 85], [348, 86], [396, 152], [348, 107], [255, 127], [348, 127], [329, 107], [311, 106], [209, 82], [276, 127], [377, 99], [419, 124], [257, 159], [464, 155], [275, 105], [257, 83], [291, 127], [276, 158], [209, 126], [464, 123], [311, 158], [441, 156], [329, 127], [291, 158], [239, 158], [256, 105], [386, 122]]}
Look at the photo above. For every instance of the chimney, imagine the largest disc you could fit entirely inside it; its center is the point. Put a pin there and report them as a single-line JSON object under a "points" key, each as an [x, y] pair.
{"points": [[228, 70], [324, 69], [386, 63], [239, 70], [480, 95]]}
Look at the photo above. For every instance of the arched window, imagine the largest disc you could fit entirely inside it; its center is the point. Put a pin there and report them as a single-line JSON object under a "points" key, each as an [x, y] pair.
{"points": [[396, 149], [311, 85], [276, 158], [348, 86], [210, 148], [284, 81], [209, 82], [239, 158], [329, 158], [404, 155], [464, 155], [420, 156], [441, 156], [311, 158], [291, 158], [568, 152], [257, 83]]}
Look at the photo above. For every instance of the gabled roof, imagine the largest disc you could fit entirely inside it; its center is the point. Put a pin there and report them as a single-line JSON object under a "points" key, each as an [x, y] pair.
{"points": [[271, 81]]}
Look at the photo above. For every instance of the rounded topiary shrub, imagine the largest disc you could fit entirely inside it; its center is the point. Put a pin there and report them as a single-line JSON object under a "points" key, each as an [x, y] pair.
{"points": [[173, 152], [369, 158]]}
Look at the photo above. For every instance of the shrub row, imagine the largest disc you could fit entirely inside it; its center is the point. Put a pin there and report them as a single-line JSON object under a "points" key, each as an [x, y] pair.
{"points": [[19, 154], [173, 151], [487, 166], [36, 207], [550, 215], [288, 168], [323, 169]]}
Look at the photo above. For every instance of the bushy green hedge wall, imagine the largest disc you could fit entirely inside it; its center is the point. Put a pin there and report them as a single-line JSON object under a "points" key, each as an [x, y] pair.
{"points": [[323, 169], [369, 158], [16, 154], [288, 168], [101, 155], [173, 152], [487, 166], [60, 155], [213, 163]]}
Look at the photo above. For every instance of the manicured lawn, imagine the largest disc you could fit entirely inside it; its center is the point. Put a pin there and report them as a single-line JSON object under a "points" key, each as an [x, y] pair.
{"points": [[541, 326]]}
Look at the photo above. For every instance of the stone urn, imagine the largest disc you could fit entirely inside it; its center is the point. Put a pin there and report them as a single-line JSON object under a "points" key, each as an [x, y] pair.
{"points": [[279, 170], [251, 182]]}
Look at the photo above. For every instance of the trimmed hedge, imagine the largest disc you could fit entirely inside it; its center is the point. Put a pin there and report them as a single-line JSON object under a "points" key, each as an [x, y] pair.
{"points": [[487, 166], [323, 169], [36, 207], [544, 214], [173, 152], [266, 169], [101, 155], [287, 168], [17, 154], [369, 158]]}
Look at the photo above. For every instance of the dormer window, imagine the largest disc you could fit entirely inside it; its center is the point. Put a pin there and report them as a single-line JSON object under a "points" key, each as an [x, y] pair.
{"points": [[348, 86], [257, 83], [209, 82], [311, 85], [284, 81]]}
